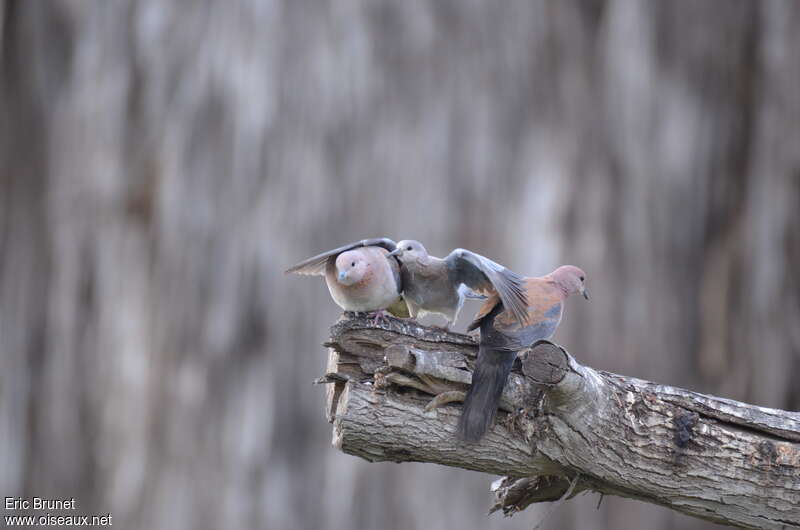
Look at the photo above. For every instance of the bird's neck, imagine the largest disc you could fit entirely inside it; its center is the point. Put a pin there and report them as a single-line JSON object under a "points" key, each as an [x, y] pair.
{"points": [[427, 261], [561, 290]]}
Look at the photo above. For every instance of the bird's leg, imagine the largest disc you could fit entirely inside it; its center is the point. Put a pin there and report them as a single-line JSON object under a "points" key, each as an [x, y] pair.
{"points": [[380, 317], [444, 398]]}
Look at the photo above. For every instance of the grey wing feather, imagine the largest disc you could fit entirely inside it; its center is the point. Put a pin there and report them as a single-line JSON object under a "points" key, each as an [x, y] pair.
{"points": [[315, 266], [479, 273], [469, 294], [543, 329], [394, 263]]}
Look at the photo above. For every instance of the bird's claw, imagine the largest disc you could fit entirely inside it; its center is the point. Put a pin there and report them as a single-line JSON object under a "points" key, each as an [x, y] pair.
{"points": [[380, 317]]}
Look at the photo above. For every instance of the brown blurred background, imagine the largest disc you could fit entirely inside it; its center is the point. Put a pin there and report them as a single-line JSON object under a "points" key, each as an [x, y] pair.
{"points": [[162, 162]]}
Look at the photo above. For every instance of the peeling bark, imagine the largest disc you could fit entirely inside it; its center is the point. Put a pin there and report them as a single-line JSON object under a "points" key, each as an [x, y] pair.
{"points": [[709, 457]]}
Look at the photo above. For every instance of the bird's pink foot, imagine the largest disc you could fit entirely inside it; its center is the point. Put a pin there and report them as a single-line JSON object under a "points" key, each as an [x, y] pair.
{"points": [[380, 317]]}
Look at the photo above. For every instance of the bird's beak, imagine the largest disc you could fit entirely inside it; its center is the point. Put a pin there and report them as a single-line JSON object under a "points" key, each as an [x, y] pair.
{"points": [[396, 252], [342, 275], [585, 293]]}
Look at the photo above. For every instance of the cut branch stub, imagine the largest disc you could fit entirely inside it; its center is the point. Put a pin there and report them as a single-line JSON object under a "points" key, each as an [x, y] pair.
{"points": [[399, 356], [445, 365], [544, 363]]}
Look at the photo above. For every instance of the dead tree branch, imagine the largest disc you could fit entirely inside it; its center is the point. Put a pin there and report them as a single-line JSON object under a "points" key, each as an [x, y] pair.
{"points": [[709, 457]]}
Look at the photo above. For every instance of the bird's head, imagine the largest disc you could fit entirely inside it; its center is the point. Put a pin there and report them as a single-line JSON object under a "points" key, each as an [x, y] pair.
{"points": [[408, 250], [351, 266], [571, 279]]}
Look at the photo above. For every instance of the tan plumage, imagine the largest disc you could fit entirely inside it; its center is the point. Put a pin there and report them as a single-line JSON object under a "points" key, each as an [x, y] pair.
{"points": [[503, 335]]}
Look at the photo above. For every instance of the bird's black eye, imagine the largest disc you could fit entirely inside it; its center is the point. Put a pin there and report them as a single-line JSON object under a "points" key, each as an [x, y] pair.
{"points": [[581, 278], [409, 248], [353, 264]]}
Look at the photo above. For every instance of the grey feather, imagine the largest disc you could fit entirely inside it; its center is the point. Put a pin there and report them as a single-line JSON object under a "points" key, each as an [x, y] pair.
{"points": [[315, 266], [480, 273], [469, 294]]}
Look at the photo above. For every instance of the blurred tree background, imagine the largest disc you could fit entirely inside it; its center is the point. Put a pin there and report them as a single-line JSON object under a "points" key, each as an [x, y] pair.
{"points": [[164, 161]]}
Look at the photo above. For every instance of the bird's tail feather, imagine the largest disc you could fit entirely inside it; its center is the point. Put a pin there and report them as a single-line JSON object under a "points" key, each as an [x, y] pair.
{"points": [[483, 396]]}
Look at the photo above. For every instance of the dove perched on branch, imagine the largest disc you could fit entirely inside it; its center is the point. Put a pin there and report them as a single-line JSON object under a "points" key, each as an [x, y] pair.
{"points": [[361, 276], [436, 285], [502, 336]]}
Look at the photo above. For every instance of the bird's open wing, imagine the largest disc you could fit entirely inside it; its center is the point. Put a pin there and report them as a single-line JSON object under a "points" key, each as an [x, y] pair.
{"points": [[315, 266], [485, 276]]}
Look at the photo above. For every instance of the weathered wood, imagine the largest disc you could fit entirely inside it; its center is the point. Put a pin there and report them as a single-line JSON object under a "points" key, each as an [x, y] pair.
{"points": [[709, 457], [514, 495]]}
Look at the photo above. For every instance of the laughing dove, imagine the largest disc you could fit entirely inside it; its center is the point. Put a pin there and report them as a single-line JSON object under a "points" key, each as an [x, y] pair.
{"points": [[435, 285], [361, 276], [502, 336]]}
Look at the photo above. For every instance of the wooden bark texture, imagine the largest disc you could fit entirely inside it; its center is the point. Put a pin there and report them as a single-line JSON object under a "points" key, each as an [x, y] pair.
{"points": [[709, 457]]}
